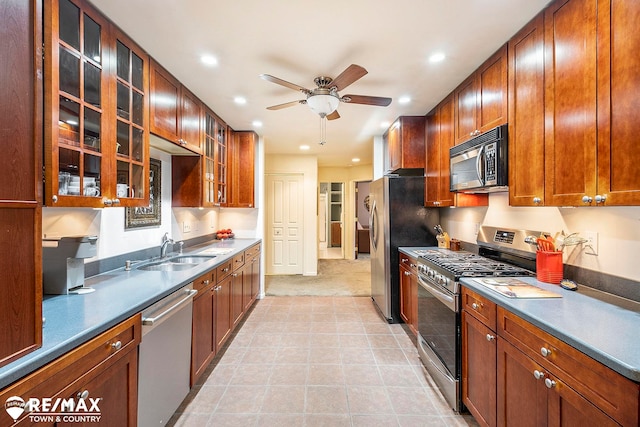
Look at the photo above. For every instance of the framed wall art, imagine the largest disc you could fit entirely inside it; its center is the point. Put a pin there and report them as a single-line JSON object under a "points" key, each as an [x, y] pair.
{"points": [[147, 216]]}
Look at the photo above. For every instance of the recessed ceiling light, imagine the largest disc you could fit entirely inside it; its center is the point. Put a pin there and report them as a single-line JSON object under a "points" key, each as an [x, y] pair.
{"points": [[436, 57], [404, 100], [304, 147], [240, 100], [355, 160], [257, 123], [209, 60]]}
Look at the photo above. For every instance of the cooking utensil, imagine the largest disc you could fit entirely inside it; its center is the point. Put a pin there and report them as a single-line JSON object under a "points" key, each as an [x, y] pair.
{"points": [[545, 245]]}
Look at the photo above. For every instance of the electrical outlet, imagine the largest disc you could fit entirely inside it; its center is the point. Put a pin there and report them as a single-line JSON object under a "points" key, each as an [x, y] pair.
{"points": [[591, 245], [186, 227]]}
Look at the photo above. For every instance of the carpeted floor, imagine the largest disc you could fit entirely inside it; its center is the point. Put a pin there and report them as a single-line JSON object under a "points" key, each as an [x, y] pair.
{"points": [[336, 277]]}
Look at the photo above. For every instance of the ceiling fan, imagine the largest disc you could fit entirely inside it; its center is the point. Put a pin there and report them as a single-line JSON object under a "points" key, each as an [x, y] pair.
{"points": [[324, 99]]}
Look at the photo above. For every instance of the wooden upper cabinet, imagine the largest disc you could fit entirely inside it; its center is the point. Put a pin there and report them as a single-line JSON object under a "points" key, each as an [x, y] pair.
{"points": [[570, 102], [165, 104], [176, 113], [242, 169], [439, 138], [405, 145], [481, 100], [618, 102], [195, 180], [526, 115], [96, 103], [439, 135], [21, 180]]}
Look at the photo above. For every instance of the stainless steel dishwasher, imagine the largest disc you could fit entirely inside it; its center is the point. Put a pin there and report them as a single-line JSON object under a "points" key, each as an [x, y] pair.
{"points": [[165, 357]]}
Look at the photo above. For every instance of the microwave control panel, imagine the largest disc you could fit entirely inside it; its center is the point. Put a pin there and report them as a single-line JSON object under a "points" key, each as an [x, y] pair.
{"points": [[490, 164]]}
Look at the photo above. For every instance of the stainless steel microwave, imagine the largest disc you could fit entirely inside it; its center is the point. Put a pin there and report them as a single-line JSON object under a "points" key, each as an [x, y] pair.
{"points": [[480, 164]]}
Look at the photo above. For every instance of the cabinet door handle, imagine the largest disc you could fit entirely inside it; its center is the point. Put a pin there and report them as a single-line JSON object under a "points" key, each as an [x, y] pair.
{"points": [[545, 351], [107, 202], [587, 199], [490, 337], [116, 345], [538, 374], [406, 273], [55, 199], [549, 383], [234, 275], [600, 198], [537, 200], [116, 201], [83, 394]]}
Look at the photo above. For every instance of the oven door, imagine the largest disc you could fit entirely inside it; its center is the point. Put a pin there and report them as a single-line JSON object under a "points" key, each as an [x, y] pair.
{"points": [[439, 338], [467, 169]]}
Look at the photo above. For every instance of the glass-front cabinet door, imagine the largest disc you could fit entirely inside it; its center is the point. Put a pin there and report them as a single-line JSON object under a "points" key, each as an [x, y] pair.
{"points": [[131, 122], [221, 164], [97, 110]]}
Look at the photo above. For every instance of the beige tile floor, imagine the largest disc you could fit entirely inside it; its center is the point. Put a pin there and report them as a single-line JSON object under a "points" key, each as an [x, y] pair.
{"points": [[317, 361]]}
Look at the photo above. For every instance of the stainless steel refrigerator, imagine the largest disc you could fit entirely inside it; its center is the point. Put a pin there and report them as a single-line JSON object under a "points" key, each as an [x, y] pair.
{"points": [[398, 218]]}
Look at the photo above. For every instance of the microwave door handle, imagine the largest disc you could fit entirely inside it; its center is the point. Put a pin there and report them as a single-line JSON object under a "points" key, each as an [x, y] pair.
{"points": [[478, 165]]}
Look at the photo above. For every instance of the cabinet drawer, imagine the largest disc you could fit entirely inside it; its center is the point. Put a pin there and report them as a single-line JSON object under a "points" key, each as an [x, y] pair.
{"points": [[479, 307], [252, 251], [616, 395], [238, 261], [409, 262], [205, 280], [53, 378], [223, 270]]}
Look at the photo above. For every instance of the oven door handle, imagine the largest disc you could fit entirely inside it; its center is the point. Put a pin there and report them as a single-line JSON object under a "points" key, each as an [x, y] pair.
{"points": [[451, 301]]}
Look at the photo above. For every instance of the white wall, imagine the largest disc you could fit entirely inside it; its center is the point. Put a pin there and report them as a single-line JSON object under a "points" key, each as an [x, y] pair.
{"points": [[308, 167], [618, 230]]}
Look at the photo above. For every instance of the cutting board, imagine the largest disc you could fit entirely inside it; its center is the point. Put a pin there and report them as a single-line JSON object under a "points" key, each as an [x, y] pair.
{"points": [[514, 288]]}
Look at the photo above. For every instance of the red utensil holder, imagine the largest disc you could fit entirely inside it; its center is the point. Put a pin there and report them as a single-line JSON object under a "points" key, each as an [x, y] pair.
{"points": [[549, 267]]}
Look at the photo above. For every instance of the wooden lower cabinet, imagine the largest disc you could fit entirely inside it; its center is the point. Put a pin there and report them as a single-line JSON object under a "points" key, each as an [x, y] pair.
{"points": [[531, 378], [409, 292], [203, 343], [222, 305], [479, 370], [105, 367], [251, 284], [238, 279], [528, 395]]}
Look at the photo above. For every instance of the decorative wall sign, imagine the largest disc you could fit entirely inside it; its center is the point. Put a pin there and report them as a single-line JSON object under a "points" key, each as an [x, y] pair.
{"points": [[148, 216]]}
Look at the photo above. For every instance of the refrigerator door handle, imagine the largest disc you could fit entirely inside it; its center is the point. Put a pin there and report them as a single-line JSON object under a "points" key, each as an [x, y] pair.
{"points": [[374, 226]]}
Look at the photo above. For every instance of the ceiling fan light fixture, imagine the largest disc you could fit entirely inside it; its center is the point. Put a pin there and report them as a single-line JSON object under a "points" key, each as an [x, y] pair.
{"points": [[323, 104]]}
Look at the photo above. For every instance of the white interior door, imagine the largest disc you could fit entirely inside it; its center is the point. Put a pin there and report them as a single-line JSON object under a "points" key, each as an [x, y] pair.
{"points": [[323, 228], [285, 207]]}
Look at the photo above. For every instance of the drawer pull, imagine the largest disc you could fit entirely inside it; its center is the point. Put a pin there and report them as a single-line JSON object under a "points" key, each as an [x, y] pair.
{"points": [[490, 337], [545, 351], [83, 394], [404, 260], [538, 374], [549, 383], [116, 345], [205, 282], [476, 306], [225, 269], [406, 273]]}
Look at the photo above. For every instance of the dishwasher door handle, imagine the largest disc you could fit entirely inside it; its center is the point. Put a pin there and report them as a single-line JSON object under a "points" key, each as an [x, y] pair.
{"points": [[151, 321]]}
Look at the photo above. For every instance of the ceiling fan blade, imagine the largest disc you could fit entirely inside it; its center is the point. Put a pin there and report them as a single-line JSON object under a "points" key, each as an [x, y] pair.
{"points": [[286, 104], [367, 100], [284, 83], [333, 115], [348, 76]]}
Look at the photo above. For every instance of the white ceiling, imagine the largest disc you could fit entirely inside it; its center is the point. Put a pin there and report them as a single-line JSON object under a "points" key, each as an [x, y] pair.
{"points": [[297, 40]]}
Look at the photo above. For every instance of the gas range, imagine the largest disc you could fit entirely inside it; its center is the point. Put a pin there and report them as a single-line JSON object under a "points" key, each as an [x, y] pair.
{"points": [[503, 252]]}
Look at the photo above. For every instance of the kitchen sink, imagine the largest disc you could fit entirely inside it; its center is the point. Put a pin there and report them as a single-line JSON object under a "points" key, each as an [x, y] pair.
{"points": [[191, 259], [177, 263]]}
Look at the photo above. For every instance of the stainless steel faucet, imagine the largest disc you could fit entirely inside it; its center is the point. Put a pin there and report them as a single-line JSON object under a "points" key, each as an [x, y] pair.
{"points": [[165, 242]]}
